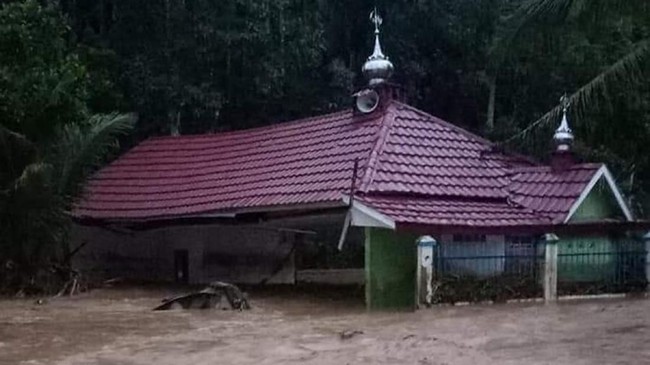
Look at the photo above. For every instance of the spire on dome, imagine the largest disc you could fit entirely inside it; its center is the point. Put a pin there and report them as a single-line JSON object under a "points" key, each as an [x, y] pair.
{"points": [[563, 137], [377, 68], [377, 21]]}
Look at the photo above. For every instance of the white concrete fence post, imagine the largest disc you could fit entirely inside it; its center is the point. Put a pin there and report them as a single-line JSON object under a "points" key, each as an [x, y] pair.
{"points": [[550, 268], [424, 276]]}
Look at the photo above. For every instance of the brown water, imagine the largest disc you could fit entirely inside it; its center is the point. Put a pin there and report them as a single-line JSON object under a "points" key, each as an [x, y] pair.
{"points": [[110, 327]]}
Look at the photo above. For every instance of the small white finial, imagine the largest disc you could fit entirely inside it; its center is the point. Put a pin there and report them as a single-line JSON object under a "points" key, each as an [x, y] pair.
{"points": [[376, 20], [565, 102], [563, 134]]}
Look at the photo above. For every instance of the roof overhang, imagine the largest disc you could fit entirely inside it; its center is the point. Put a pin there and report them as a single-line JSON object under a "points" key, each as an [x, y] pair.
{"points": [[583, 228], [365, 216], [234, 216], [603, 172], [361, 215]]}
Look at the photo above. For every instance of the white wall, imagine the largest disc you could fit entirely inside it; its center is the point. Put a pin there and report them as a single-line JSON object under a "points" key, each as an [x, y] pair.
{"points": [[239, 254]]}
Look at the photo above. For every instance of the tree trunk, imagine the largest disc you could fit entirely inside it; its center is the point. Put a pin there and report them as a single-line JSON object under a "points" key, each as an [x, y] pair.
{"points": [[175, 123], [492, 83]]}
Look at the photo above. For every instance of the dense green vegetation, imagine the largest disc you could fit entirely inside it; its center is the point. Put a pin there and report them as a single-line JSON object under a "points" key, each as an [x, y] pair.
{"points": [[49, 141], [497, 67]]}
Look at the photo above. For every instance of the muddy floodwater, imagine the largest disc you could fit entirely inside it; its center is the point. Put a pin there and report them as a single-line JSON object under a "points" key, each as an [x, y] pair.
{"points": [[117, 326]]}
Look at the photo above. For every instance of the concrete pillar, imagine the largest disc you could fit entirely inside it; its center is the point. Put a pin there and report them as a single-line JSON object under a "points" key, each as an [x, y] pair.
{"points": [[424, 276], [550, 269]]}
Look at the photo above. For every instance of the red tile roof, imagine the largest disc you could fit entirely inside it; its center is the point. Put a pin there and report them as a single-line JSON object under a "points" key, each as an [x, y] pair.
{"points": [[551, 193], [426, 155], [412, 167], [305, 161], [453, 212]]}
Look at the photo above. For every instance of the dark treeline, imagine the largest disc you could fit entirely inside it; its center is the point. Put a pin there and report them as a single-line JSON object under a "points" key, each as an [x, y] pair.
{"points": [[200, 65]]}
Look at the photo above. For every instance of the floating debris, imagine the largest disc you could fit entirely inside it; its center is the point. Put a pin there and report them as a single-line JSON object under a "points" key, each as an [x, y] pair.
{"points": [[209, 298]]}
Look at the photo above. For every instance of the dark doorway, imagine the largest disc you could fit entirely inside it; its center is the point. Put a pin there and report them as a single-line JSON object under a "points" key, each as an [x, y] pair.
{"points": [[181, 266]]}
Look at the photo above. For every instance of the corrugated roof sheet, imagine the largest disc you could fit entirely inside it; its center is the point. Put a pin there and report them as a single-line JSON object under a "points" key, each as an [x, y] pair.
{"points": [[401, 152]]}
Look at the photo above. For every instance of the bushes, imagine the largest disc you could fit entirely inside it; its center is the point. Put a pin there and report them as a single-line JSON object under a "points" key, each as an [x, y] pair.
{"points": [[470, 288]]}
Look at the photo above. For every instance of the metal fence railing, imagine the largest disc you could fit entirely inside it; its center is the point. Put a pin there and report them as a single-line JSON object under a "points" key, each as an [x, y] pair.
{"points": [[597, 267], [480, 271], [499, 271]]}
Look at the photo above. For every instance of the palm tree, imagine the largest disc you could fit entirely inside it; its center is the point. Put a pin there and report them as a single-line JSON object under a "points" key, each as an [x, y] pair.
{"points": [[49, 141], [535, 14], [607, 133], [37, 190]]}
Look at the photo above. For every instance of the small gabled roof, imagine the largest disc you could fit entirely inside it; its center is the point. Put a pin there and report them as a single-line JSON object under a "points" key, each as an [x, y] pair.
{"points": [[551, 193], [558, 194], [413, 167]]}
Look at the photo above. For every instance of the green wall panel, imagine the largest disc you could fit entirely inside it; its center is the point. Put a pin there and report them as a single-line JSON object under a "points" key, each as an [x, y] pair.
{"points": [[600, 203], [574, 263], [390, 269], [577, 261]]}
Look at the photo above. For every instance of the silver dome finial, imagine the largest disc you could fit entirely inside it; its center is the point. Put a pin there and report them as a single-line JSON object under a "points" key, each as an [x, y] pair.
{"points": [[563, 137], [377, 68]]}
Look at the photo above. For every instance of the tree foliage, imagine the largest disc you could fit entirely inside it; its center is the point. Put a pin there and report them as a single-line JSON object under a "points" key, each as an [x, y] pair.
{"points": [[598, 52], [48, 138], [195, 65], [41, 84]]}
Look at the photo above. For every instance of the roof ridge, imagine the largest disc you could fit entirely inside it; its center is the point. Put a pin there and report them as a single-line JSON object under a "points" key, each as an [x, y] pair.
{"points": [[382, 137], [440, 121], [488, 143]]}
